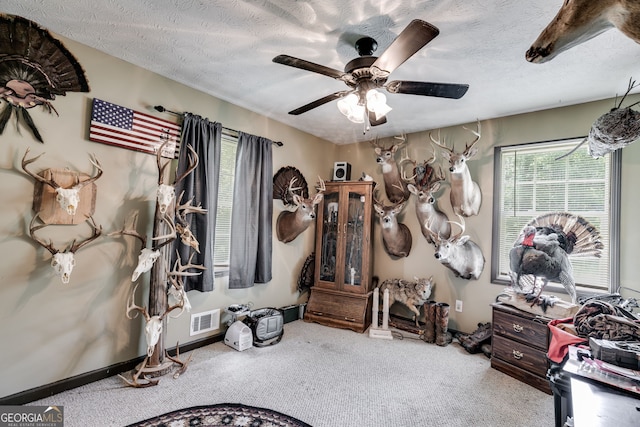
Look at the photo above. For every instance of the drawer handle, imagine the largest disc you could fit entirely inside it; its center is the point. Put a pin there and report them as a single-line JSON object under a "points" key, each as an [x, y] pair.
{"points": [[517, 328], [517, 355]]}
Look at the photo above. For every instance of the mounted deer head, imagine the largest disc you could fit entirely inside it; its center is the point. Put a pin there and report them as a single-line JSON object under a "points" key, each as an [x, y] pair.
{"points": [[67, 198], [459, 254], [166, 192], [396, 236], [63, 262], [427, 183], [394, 187], [465, 195], [291, 223], [580, 20]]}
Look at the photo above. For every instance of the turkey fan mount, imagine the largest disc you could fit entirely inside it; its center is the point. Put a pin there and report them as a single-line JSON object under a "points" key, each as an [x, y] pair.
{"points": [[34, 68]]}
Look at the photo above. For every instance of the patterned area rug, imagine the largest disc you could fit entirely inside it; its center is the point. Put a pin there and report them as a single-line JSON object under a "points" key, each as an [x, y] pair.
{"points": [[222, 415]]}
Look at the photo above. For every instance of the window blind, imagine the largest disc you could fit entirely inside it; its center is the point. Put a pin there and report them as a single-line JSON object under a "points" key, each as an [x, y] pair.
{"points": [[532, 182]]}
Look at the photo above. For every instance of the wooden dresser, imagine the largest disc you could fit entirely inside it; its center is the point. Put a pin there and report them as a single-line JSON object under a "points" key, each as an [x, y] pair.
{"points": [[519, 345]]}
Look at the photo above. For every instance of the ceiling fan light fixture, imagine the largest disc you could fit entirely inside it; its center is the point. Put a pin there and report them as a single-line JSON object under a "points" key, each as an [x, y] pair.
{"points": [[349, 106], [377, 103]]}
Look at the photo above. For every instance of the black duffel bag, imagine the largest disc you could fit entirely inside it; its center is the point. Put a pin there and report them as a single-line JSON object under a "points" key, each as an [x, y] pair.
{"points": [[266, 325]]}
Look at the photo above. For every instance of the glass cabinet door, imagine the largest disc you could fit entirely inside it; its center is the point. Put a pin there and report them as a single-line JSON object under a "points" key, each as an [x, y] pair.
{"points": [[330, 232], [354, 239]]}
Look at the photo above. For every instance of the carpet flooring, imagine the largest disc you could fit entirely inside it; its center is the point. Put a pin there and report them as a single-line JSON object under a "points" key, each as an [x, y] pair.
{"points": [[326, 377]]}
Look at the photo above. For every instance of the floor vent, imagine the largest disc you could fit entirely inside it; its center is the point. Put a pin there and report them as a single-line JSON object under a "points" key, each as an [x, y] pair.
{"points": [[205, 322]]}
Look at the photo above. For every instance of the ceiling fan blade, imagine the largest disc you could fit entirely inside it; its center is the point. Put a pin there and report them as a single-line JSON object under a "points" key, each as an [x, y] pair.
{"points": [[374, 122], [440, 90], [413, 38], [309, 66], [319, 102]]}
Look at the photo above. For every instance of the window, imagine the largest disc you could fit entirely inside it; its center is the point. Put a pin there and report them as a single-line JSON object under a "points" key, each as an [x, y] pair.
{"points": [[229, 144], [529, 181]]}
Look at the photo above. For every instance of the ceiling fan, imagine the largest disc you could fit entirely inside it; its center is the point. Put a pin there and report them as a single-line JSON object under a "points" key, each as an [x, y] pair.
{"points": [[366, 73]]}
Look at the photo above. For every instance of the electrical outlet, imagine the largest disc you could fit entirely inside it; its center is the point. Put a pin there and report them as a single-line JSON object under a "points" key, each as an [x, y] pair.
{"points": [[459, 305]]}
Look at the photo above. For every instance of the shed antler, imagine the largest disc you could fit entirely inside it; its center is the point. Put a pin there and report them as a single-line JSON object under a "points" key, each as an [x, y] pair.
{"points": [[131, 231]]}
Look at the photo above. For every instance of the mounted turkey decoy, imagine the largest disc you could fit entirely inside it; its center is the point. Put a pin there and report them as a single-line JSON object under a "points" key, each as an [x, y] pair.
{"points": [[370, 72], [545, 246], [34, 68], [281, 185]]}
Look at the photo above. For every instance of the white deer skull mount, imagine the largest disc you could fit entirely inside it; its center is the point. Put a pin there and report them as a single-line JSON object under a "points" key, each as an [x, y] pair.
{"points": [[63, 261], [67, 194]]}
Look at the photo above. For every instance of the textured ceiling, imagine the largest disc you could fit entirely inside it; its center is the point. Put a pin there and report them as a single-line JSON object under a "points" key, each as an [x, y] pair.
{"points": [[224, 48]]}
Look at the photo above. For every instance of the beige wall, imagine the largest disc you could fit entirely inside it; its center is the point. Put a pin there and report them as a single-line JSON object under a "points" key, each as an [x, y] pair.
{"points": [[477, 295], [50, 331]]}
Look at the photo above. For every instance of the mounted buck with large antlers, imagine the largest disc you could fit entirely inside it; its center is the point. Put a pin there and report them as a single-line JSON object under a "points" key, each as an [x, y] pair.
{"points": [[426, 183], [63, 262], [459, 254], [465, 195], [396, 236], [290, 224], [394, 186], [67, 198], [580, 20]]}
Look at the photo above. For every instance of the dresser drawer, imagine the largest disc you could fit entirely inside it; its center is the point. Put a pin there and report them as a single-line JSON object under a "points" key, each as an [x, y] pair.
{"points": [[520, 355], [524, 330]]}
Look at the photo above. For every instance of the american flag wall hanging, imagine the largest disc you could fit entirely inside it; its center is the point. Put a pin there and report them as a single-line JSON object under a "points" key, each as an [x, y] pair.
{"points": [[120, 126]]}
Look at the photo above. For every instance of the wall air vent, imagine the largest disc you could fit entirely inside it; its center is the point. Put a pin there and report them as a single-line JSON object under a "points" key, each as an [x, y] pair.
{"points": [[204, 322]]}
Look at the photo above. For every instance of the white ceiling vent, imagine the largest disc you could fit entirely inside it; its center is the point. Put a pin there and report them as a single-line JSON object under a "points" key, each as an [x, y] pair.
{"points": [[205, 322]]}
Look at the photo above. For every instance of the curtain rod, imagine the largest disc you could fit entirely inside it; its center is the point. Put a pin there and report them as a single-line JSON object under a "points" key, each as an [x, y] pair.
{"points": [[161, 109]]}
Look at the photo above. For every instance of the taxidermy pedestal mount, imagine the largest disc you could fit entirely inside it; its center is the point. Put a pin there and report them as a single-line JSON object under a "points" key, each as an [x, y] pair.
{"points": [[164, 282]]}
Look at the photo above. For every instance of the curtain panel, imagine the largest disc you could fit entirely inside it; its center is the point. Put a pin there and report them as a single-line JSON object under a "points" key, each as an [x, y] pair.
{"points": [[251, 234], [202, 186]]}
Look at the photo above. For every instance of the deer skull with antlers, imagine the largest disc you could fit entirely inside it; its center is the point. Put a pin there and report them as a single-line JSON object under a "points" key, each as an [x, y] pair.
{"points": [[166, 192], [147, 256], [63, 261], [183, 227], [152, 331], [67, 198]]}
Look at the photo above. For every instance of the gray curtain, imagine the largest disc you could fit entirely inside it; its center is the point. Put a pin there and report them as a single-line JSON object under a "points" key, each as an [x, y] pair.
{"points": [[202, 186], [250, 257]]}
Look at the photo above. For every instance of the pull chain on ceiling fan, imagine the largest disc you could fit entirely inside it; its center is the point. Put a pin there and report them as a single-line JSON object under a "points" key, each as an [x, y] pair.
{"points": [[362, 102]]}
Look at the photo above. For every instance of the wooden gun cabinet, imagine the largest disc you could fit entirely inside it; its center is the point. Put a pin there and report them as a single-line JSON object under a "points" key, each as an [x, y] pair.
{"points": [[341, 295]]}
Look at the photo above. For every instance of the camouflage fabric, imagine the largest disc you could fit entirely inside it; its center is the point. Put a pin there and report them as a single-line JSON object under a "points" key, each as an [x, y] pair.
{"points": [[602, 320]]}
